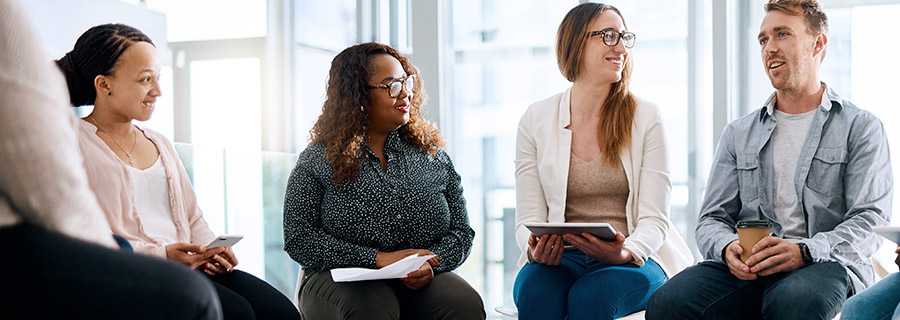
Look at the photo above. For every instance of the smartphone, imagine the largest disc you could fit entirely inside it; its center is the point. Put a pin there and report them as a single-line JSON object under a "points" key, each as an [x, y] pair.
{"points": [[227, 240]]}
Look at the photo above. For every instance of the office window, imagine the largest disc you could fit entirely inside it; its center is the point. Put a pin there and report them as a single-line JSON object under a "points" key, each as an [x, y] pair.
{"points": [[322, 29], [212, 19]]}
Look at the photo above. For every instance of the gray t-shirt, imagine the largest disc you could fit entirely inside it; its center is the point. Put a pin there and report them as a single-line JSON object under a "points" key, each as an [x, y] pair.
{"points": [[787, 141]]}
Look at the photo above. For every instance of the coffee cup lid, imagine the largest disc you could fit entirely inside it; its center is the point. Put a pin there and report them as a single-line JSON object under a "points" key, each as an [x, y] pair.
{"points": [[753, 224]]}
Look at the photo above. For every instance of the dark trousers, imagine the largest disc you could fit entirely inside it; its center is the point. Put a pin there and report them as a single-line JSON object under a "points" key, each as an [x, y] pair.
{"points": [[45, 275], [247, 297], [447, 297], [709, 291]]}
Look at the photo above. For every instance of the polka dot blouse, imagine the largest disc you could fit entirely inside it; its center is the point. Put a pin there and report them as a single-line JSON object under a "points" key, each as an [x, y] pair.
{"points": [[417, 203]]}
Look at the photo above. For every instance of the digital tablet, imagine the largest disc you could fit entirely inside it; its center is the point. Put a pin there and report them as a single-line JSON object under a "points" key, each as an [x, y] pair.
{"points": [[224, 241], [890, 233], [601, 230]]}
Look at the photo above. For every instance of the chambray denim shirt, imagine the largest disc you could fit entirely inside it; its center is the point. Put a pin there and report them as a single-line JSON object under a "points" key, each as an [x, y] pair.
{"points": [[843, 182]]}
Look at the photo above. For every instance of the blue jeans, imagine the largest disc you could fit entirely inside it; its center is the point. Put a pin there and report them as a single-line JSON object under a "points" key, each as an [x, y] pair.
{"points": [[581, 287], [708, 290], [880, 301]]}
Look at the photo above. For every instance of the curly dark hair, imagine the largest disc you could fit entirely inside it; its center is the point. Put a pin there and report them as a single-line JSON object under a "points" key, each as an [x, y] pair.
{"points": [[342, 125]]}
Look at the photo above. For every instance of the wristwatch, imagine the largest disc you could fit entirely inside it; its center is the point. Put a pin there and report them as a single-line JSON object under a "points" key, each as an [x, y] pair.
{"points": [[804, 253]]}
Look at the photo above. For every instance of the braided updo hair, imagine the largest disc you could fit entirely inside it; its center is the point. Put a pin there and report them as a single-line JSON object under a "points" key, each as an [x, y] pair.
{"points": [[95, 53]]}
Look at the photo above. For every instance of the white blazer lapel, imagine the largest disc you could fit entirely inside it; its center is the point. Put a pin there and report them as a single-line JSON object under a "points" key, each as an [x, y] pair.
{"points": [[563, 150]]}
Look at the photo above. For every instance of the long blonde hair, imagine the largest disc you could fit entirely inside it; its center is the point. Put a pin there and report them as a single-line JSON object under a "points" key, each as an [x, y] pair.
{"points": [[618, 110]]}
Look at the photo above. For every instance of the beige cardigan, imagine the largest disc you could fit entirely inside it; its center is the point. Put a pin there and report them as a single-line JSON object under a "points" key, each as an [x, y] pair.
{"points": [[543, 147], [112, 184]]}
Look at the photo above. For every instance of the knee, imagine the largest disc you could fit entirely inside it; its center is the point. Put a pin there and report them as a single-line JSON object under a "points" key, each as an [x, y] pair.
{"points": [[798, 302], [198, 292], [856, 306], [362, 300], [663, 301], [467, 304], [238, 309]]}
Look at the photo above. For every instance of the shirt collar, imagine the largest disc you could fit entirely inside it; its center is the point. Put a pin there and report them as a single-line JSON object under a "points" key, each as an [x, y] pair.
{"points": [[393, 142], [829, 99]]}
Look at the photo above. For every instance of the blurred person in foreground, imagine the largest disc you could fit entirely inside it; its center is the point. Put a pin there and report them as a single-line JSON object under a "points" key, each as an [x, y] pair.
{"points": [[58, 252]]}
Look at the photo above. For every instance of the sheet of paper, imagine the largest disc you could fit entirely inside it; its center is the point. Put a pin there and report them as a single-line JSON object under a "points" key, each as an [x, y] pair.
{"points": [[395, 270]]}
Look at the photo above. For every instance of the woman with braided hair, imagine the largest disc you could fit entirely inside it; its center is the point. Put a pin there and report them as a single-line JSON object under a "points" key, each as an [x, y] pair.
{"points": [[138, 178]]}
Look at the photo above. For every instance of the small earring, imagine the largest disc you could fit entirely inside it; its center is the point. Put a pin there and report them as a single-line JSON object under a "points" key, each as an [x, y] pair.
{"points": [[361, 109], [109, 93]]}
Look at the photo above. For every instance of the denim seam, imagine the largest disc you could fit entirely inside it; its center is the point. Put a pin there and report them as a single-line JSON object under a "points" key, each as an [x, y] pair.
{"points": [[703, 313]]}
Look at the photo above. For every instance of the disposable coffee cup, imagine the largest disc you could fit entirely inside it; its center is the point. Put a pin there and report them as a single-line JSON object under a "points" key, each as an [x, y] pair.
{"points": [[749, 233]]}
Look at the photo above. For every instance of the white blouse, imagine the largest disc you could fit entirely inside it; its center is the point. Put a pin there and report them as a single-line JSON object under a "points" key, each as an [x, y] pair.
{"points": [[151, 199]]}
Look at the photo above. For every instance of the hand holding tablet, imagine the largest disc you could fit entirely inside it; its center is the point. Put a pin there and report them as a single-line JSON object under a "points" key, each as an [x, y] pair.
{"points": [[600, 229]]}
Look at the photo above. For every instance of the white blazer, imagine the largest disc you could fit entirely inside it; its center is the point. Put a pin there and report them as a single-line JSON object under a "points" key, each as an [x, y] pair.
{"points": [[543, 146]]}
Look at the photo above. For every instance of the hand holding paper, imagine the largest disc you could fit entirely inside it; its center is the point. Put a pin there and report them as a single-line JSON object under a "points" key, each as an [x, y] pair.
{"points": [[395, 270]]}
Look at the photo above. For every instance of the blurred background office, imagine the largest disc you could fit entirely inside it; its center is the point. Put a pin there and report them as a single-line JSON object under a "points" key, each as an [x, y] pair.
{"points": [[244, 80]]}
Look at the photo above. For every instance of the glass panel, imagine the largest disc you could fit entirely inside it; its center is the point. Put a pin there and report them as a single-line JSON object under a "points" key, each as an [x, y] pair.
{"points": [[281, 270], [311, 77], [212, 19], [226, 115], [873, 67], [327, 25], [499, 70]]}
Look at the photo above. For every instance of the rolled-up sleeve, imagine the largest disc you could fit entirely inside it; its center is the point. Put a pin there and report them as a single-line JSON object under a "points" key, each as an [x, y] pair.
{"points": [[868, 191], [531, 205], [654, 194]]}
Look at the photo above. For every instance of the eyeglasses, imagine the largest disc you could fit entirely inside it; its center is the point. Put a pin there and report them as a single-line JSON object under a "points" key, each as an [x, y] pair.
{"points": [[395, 86], [611, 37]]}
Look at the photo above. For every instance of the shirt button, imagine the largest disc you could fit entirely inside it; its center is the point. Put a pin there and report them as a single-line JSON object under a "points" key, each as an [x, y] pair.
{"points": [[832, 158], [398, 216], [394, 191], [747, 164]]}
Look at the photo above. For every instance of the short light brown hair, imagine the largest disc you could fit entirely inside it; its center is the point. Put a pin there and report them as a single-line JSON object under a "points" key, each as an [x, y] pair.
{"points": [[811, 10]]}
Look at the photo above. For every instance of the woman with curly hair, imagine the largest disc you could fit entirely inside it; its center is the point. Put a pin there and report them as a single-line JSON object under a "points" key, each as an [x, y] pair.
{"points": [[373, 187]]}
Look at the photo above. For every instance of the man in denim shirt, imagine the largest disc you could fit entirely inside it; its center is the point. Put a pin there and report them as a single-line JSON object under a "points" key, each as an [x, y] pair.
{"points": [[814, 166]]}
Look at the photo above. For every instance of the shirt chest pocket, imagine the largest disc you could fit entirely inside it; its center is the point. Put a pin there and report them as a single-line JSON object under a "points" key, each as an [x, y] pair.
{"points": [[826, 171], [748, 176]]}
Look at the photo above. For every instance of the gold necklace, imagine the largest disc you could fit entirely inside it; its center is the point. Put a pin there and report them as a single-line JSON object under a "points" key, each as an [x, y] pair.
{"points": [[133, 144]]}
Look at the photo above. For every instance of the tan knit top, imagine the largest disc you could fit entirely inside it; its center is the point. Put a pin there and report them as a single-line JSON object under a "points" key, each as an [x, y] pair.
{"points": [[597, 192]]}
